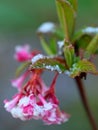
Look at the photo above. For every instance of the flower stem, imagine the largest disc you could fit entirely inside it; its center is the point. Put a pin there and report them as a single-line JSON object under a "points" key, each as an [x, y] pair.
{"points": [[85, 102]]}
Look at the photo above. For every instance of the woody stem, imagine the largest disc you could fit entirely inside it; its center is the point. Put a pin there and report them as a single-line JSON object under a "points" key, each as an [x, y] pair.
{"points": [[85, 102]]}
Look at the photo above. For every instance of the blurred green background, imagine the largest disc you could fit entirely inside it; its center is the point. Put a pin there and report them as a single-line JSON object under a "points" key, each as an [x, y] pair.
{"points": [[19, 20], [27, 15]]}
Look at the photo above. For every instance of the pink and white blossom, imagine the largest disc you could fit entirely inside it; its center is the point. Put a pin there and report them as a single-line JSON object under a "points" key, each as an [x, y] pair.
{"points": [[36, 101], [55, 116], [51, 112]]}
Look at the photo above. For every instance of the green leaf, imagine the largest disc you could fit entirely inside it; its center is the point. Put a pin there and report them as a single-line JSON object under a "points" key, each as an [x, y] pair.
{"points": [[69, 55], [51, 64], [93, 45], [96, 51], [21, 68], [59, 33], [45, 46], [83, 41], [74, 4], [67, 16], [53, 45], [82, 66]]}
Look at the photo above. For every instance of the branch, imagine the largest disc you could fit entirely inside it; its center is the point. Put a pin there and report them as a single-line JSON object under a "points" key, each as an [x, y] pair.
{"points": [[85, 103]]}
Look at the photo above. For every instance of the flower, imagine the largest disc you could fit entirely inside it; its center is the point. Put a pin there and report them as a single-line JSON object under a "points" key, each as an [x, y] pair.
{"points": [[25, 108], [36, 101], [55, 116], [24, 105], [23, 53], [11, 104], [18, 82], [51, 113]]}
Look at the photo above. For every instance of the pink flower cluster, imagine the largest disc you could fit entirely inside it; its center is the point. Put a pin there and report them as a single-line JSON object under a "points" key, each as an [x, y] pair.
{"points": [[34, 99]]}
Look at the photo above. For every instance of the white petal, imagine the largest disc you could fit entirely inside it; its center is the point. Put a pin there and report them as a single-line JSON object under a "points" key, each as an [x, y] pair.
{"points": [[24, 101]]}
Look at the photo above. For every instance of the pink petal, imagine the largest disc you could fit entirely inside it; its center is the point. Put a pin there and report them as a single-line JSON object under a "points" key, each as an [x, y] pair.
{"points": [[22, 53], [18, 82], [11, 104]]}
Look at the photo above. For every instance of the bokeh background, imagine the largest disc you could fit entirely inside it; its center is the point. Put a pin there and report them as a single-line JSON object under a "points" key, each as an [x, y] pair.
{"points": [[19, 20]]}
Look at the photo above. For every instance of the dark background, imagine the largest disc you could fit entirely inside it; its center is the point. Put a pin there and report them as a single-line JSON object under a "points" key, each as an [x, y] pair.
{"points": [[19, 20]]}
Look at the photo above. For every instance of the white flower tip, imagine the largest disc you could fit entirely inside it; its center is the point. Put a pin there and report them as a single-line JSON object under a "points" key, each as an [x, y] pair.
{"points": [[19, 48], [14, 84], [48, 106], [24, 101]]}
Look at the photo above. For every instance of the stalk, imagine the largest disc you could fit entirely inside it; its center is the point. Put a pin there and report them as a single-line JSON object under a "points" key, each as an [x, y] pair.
{"points": [[85, 103]]}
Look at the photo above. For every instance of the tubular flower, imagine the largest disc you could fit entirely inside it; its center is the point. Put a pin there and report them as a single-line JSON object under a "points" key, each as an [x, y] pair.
{"points": [[51, 113], [36, 100], [18, 82]]}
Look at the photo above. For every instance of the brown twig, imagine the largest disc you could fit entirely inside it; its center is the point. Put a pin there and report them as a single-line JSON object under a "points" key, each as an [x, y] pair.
{"points": [[85, 102]]}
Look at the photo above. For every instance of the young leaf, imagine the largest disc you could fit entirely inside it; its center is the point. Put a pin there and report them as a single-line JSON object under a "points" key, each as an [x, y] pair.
{"points": [[82, 66], [53, 45], [93, 45], [66, 15], [83, 41], [49, 64], [22, 67], [69, 55], [74, 4], [45, 46], [58, 33]]}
